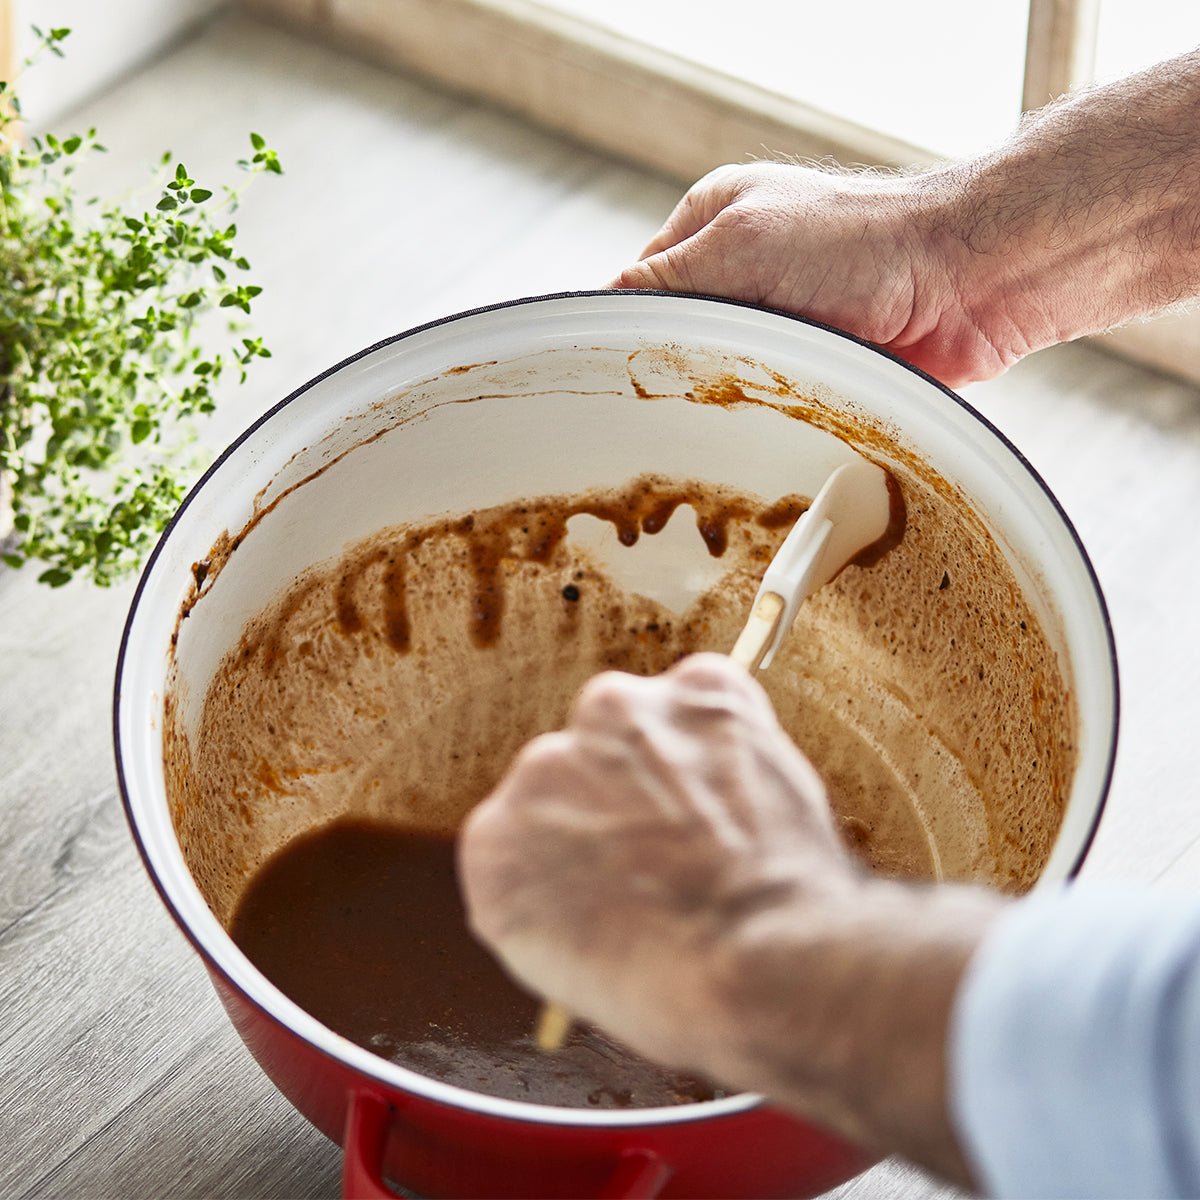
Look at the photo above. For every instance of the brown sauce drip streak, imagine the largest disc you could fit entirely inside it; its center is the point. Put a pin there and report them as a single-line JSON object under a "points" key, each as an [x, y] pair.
{"points": [[893, 534], [395, 609], [348, 617], [783, 514]]}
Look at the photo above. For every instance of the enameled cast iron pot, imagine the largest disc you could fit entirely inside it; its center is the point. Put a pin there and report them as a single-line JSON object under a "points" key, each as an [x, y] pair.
{"points": [[569, 390]]}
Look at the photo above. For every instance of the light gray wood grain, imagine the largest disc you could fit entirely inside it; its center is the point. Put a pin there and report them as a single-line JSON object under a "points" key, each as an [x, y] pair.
{"points": [[121, 1075]]}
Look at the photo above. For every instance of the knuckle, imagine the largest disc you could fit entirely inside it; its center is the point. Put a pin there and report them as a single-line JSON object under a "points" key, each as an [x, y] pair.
{"points": [[545, 753], [607, 698], [707, 670]]}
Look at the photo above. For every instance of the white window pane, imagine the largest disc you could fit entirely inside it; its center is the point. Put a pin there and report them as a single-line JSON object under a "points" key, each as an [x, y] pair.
{"points": [[1135, 33], [938, 73]]}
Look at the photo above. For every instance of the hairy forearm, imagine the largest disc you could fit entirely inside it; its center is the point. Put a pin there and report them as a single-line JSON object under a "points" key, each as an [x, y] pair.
{"points": [[1088, 217], [845, 1014]]}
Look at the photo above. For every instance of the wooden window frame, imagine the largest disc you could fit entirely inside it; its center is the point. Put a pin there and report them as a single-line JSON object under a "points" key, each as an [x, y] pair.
{"points": [[1060, 49], [8, 41]]}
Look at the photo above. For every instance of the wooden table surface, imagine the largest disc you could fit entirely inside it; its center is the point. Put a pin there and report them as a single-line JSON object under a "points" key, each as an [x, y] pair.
{"points": [[119, 1073]]}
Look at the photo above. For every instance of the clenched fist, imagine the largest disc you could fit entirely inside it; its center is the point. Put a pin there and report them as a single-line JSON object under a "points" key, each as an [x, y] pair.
{"points": [[620, 856]]}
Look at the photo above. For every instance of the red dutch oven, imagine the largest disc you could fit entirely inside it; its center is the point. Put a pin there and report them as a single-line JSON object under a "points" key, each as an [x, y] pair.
{"points": [[536, 397]]}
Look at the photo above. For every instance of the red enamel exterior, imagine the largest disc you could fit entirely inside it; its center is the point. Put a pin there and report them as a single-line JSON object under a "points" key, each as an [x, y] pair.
{"points": [[436, 1149]]}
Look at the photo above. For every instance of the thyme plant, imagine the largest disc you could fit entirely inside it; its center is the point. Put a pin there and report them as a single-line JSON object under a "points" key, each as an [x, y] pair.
{"points": [[105, 362]]}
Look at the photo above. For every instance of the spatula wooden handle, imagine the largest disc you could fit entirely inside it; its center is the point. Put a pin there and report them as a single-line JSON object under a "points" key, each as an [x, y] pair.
{"points": [[758, 631], [553, 1025]]}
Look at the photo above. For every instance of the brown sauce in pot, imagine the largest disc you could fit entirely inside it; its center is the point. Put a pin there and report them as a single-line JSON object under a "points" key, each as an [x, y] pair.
{"points": [[360, 923]]}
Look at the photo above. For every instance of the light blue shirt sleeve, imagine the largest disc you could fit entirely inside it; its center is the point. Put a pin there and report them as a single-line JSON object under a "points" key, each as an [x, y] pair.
{"points": [[1075, 1047]]}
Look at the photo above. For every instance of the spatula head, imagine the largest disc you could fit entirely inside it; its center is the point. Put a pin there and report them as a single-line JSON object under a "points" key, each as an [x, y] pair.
{"points": [[856, 500], [851, 512]]}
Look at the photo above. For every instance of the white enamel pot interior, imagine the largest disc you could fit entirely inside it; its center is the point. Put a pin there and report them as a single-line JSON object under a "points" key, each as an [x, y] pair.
{"points": [[545, 396]]}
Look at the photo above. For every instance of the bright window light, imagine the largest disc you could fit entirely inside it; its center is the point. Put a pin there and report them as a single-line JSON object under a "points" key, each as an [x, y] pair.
{"points": [[939, 74]]}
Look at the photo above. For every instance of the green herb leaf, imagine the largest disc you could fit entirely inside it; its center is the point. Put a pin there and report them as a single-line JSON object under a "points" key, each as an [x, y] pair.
{"points": [[105, 357]]}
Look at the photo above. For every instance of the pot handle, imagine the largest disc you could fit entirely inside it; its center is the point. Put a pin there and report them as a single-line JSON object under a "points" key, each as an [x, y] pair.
{"points": [[638, 1175], [364, 1141]]}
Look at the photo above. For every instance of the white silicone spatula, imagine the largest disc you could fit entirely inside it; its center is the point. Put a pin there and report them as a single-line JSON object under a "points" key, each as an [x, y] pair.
{"points": [[851, 512]]}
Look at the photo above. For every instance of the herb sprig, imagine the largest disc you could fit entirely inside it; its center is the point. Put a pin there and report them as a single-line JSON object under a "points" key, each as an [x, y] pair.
{"points": [[105, 358]]}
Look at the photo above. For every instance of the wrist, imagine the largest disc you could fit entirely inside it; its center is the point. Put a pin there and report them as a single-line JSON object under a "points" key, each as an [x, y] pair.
{"points": [[841, 1010]]}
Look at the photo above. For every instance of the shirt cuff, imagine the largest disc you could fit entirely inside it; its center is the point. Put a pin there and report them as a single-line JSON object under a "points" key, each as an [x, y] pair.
{"points": [[1075, 1046]]}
